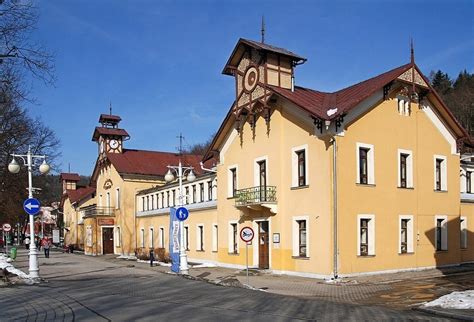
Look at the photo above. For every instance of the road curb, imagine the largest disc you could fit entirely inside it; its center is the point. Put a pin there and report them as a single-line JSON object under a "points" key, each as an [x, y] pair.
{"points": [[443, 313]]}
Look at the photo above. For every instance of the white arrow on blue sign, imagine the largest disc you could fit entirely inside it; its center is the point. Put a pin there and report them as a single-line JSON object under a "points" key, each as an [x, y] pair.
{"points": [[31, 206], [182, 213]]}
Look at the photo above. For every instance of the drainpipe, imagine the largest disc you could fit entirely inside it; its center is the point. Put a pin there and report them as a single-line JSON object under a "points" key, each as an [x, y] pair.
{"points": [[334, 191]]}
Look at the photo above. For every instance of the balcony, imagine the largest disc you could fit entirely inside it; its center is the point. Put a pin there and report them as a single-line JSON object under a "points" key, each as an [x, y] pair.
{"points": [[467, 197], [257, 197], [94, 211]]}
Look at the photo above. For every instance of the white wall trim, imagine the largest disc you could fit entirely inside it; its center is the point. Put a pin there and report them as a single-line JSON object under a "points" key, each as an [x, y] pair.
{"points": [[444, 172], [371, 233], [198, 237], [295, 235], [445, 132], [227, 143], [230, 233], [256, 174], [215, 237], [161, 236], [229, 179], [409, 233]]}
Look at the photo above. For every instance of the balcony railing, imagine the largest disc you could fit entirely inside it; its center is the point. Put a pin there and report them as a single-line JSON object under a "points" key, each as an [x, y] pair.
{"points": [[255, 195], [93, 210]]}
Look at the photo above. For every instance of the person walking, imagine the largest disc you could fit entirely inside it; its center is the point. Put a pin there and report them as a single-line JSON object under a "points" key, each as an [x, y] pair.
{"points": [[27, 242], [46, 244]]}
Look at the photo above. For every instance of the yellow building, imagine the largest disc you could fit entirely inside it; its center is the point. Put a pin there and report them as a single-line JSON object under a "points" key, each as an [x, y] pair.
{"points": [[361, 180]]}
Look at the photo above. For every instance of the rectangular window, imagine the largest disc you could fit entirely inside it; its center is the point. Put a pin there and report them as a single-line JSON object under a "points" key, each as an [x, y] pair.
{"points": [[215, 237], [366, 235], [233, 238], [201, 191], [108, 199], [302, 237], [232, 182], [173, 198], [143, 204], [163, 200], [200, 238], [186, 199], [118, 237], [157, 197], [186, 237], [152, 202], [403, 170], [209, 190], [162, 237], [463, 227], [167, 198], [441, 233], [117, 198], [301, 167], [262, 170], [147, 203], [152, 239], [404, 236], [438, 173], [468, 181], [363, 165], [142, 238]]}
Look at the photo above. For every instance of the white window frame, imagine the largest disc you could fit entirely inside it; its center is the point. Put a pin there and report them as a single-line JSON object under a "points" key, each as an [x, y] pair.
{"points": [[371, 234], [230, 192], [256, 170], [230, 236], [409, 233], [296, 233], [117, 198], [403, 104], [151, 238], [108, 200], [409, 165], [215, 236], [370, 162], [198, 237], [444, 172], [162, 237], [444, 232], [142, 237], [118, 237], [463, 232], [294, 165]]}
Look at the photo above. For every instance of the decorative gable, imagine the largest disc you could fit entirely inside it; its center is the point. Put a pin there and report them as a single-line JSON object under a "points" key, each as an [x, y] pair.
{"points": [[412, 75]]}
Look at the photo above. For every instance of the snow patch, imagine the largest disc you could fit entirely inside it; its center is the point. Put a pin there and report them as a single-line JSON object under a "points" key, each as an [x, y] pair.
{"points": [[132, 258], [5, 264], [455, 300], [331, 111], [204, 265]]}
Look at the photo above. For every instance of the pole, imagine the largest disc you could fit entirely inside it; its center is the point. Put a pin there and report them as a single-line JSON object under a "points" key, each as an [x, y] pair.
{"points": [[33, 260], [247, 261], [183, 260]]}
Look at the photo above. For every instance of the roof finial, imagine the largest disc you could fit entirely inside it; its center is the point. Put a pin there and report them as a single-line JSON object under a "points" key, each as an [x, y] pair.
{"points": [[263, 29], [181, 138], [110, 107], [412, 52]]}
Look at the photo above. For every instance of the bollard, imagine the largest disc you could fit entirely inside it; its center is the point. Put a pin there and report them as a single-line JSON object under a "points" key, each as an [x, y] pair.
{"points": [[152, 257]]}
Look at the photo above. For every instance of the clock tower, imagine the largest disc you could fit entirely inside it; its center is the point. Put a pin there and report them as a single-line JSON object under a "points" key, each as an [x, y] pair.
{"points": [[109, 136]]}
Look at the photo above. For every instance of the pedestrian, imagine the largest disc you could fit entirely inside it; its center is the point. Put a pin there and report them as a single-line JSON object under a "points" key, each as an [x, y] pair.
{"points": [[46, 244], [38, 243], [27, 242]]}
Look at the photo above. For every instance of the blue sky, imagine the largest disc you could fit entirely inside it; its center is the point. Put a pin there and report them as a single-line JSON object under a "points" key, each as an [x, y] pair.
{"points": [[160, 62]]}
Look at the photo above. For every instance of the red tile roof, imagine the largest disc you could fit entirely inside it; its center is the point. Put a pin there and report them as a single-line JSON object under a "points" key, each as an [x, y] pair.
{"points": [[108, 131], [318, 103], [69, 177], [151, 162], [109, 117], [80, 193]]}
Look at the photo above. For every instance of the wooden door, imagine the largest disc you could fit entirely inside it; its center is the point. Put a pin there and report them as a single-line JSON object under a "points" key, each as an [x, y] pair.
{"points": [[263, 245], [108, 240]]}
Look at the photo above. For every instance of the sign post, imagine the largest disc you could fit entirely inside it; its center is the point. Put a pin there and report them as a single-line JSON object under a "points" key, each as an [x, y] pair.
{"points": [[247, 234]]}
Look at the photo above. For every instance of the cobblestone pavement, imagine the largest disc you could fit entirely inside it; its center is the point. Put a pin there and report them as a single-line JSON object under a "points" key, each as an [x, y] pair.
{"points": [[78, 287]]}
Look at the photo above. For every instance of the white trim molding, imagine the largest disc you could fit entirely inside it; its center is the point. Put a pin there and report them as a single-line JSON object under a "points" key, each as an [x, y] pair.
{"points": [[444, 232], [409, 233], [409, 168], [444, 172], [230, 236], [370, 234], [370, 162], [256, 170], [230, 191], [295, 235], [294, 165]]}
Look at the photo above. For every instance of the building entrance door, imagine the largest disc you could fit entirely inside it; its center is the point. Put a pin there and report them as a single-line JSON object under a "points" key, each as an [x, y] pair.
{"points": [[108, 240], [263, 245]]}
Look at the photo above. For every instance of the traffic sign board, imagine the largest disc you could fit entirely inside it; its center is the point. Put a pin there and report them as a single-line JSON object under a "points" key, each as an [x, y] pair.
{"points": [[6, 227], [246, 234], [31, 206], [182, 213]]}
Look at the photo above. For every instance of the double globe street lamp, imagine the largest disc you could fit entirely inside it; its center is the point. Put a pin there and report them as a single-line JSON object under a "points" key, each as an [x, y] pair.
{"points": [[181, 172], [14, 167]]}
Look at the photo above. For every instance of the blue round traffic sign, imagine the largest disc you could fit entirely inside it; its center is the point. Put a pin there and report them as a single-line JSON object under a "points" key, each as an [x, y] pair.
{"points": [[182, 213], [31, 206]]}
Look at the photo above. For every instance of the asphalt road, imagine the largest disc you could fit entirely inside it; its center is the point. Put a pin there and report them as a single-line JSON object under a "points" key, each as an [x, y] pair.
{"points": [[82, 288]]}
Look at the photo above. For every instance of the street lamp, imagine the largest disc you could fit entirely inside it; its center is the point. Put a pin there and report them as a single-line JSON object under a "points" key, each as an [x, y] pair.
{"points": [[181, 172], [14, 167]]}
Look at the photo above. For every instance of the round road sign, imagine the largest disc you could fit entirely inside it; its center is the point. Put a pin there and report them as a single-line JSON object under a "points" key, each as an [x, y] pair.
{"points": [[7, 227], [246, 234], [182, 213]]}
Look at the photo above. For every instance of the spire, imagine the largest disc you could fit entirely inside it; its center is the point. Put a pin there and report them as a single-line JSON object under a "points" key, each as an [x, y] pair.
{"points": [[263, 29], [412, 52], [181, 138], [110, 108]]}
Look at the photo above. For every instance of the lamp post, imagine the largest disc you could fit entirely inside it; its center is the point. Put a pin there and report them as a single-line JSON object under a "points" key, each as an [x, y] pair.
{"points": [[180, 172], [14, 167]]}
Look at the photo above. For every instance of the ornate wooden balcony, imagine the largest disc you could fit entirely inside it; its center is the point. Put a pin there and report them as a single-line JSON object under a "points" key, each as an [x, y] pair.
{"points": [[94, 211], [257, 196]]}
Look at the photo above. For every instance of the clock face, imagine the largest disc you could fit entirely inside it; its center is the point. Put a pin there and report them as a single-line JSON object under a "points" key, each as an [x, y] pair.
{"points": [[250, 79], [114, 144]]}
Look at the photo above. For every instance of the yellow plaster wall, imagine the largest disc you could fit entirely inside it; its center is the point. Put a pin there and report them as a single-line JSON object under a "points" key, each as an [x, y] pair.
{"points": [[286, 132], [388, 131]]}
